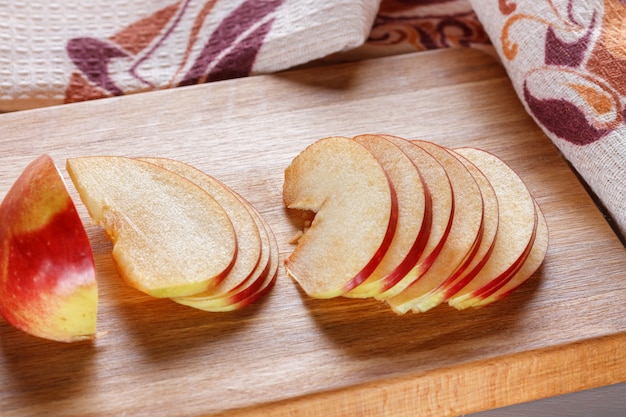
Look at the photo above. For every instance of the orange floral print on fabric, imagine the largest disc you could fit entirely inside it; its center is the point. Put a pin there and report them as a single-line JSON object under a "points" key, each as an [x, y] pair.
{"points": [[138, 36], [600, 103], [577, 93]]}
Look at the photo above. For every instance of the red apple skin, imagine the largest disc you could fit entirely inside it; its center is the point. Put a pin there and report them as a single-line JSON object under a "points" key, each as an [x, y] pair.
{"points": [[249, 293], [47, 272]]}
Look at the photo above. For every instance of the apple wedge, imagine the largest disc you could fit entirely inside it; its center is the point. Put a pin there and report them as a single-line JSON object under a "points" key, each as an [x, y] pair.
{"points": [[463, 238], [47, 274], [355, 209], [246, 229], [516, 230], [170, 237], [437, 182], [414, 207]]}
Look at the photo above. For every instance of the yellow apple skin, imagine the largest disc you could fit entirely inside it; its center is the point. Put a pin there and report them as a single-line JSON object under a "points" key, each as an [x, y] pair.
{"points": [[47, 273]]}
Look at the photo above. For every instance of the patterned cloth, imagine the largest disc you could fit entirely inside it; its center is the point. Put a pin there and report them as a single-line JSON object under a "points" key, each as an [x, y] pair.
{"points": [[56, 52], [567, 62], [566, 58]]}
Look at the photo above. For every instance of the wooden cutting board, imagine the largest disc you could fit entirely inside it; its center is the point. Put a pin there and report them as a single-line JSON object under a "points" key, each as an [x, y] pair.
{"points": [[289, 355]]}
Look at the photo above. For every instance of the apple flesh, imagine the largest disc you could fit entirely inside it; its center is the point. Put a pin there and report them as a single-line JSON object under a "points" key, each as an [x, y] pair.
{"points": [[476, 261], [246, 229], [170, 237], [529, 267], [356, 213], [413, 225], [463, 238], [214, 298], [255, 288], [259, 282], [47, 274], [478, 231], [516, 233], [256, 265], [440, 213]]}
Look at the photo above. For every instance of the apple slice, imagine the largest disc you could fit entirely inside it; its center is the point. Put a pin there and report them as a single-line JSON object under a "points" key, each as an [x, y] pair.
{"points": [[355, 209], [47, 274], [413, 202], [474, 263], [246, 292], [437, 182], [463, 237], [240, 298], [530, 266], [516, 230], [245, 227], [170, 237]]}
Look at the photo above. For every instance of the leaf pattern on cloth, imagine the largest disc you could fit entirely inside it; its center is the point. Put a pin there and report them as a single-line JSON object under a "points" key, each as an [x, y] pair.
{"points": [[229, 51], [227, 34], [573, 95], [92, 57]]}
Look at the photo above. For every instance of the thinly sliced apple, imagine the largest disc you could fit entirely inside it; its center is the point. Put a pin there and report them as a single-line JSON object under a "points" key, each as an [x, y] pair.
{"points": [[516, 231], [437, 182], [356, 211], [463, 238], [170, 237], [531, 264], [413, 203], [242, 294], [248, 295], [475, 263], [483, 234], [47, 274], [246, 229]]}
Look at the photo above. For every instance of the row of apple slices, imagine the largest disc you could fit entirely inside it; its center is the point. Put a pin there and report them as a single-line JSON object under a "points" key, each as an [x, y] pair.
{"points": [[178, 232], [411, 223]]}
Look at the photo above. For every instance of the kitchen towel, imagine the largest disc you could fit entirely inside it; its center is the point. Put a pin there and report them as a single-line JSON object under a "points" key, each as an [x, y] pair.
{"points": [[567, 62], [60, 52]]}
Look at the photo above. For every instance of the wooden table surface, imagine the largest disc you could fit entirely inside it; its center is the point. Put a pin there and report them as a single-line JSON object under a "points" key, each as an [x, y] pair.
{"points": [[563, 331]]}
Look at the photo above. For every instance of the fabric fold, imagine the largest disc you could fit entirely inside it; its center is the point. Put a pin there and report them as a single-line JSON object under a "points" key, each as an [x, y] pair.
{"points": [[567, 62], [54, 53]]}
